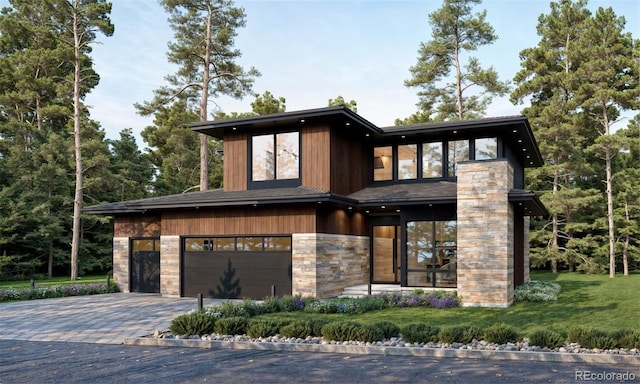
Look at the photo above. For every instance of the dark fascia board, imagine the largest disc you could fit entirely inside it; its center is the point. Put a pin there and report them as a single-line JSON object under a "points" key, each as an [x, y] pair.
{"points": [[520, 135], [139, 206], [530, 201], [217, 128]]}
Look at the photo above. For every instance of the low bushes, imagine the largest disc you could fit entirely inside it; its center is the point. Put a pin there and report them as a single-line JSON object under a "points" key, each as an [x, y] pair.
{"points": [[193, 323], [49, 292], [535, 291], [501, 333], [351, 331], [419, 333], [546, 338], [236, 325], [265, 327]]}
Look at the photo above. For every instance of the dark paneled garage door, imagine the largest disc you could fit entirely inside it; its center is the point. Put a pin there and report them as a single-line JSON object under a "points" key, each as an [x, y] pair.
{"points": [[239, 267]]}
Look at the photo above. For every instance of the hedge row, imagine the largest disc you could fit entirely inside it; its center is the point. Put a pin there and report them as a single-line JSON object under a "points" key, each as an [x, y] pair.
{"points": [[48, 292], [202, 323]]}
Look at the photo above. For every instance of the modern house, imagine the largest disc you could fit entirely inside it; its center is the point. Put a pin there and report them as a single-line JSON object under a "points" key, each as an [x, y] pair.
{"points": [[318, 200]]}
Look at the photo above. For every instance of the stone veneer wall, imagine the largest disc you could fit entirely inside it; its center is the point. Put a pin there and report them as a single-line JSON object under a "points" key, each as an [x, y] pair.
{"points": [[485, 233], [324, 264], [170, 266], [121, 263]]}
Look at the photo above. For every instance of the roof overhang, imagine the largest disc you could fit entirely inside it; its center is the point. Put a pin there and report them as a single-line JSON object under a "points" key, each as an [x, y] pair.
{"points": [[338, 114], [529, 201]]}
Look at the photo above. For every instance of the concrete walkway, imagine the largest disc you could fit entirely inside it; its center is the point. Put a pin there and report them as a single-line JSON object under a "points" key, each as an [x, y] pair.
{"points": [[106, 318]]}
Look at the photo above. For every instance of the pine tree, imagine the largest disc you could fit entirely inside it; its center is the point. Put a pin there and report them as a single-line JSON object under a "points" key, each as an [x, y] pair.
{"points": [[203, 49], [455, 30]]}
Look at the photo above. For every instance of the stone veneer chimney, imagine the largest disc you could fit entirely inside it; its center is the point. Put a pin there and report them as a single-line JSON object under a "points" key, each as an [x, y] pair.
{"points": [[485, 233]]}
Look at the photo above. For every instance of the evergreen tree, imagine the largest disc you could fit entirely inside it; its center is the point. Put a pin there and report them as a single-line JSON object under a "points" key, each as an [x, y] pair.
{"points": [[455, 30], [607, 83], [351, 104], [547, 75], [203, 49]]}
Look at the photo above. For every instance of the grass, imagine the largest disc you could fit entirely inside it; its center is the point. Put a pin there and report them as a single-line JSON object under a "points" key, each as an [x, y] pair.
{"points": [[59, 280], [592, 301]]}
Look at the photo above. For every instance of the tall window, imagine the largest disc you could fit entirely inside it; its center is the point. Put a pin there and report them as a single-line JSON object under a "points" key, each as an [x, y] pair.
{"points": [[383, 163], [407, 162], [431, 160], [458, 151], [275, 156]]}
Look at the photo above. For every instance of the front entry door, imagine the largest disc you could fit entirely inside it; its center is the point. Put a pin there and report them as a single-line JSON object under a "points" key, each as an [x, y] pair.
{"points": [[386, 254]]}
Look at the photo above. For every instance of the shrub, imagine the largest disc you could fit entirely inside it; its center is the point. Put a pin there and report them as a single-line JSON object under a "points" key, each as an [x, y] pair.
{"points": [[271, 304], [322, 306], [420, 333], [596, 338], [291, 303], [418, 298], [252, 308], [388, 329], [264, 327], [470, 333], [236, 325], [342, 331], [546, 338], [536, 291], [193, 323], [370, 333], [228, 309], [450, 335], [575, 334], [501, 333], [627, 338], [316, 326], [297, 328]]}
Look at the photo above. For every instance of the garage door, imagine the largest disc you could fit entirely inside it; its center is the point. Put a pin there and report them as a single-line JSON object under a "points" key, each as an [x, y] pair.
{"points": [[236, 267]]}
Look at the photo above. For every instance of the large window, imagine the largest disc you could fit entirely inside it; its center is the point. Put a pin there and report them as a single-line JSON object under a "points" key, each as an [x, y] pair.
{"points": [[238, 244], [430, 160], [432, 253], [275, 157]]}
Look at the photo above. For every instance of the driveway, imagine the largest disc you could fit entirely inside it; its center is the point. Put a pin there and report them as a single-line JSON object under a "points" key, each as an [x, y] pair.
{"points": [[106, 318]]}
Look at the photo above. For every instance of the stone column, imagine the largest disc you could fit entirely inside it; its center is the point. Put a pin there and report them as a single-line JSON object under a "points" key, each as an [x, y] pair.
{"points": [[485, 233], [121, 263], [170, 266]]}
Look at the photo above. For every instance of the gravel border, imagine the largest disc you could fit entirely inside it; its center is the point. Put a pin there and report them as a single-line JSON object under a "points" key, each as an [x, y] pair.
{"points": [[398, 350]]}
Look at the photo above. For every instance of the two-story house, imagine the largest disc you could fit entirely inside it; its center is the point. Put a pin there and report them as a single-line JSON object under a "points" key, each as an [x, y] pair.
{"points": [[318, 200]]}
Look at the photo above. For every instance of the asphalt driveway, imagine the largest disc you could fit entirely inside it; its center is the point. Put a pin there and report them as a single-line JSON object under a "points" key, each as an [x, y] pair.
{"points": [[106, 318]]}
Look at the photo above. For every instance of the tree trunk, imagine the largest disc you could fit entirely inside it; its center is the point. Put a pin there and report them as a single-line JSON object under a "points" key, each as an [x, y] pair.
{"points": [[77, 200], [554, 225], [627, 238], [204, 100]]}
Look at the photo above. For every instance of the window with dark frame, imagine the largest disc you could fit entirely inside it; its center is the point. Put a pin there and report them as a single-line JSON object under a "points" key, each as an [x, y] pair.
{"points": [[275, 156]]}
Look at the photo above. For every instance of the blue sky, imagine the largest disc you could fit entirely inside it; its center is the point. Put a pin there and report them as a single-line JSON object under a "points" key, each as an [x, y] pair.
{"points": [[310, 51]]}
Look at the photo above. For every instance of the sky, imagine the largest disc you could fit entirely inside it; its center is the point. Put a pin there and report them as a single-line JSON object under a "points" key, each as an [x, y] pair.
{"points": [[311, 51]]}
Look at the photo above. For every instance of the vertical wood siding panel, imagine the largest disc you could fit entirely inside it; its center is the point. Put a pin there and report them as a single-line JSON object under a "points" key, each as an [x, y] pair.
{"points": [[235, 162], [316, 144]]}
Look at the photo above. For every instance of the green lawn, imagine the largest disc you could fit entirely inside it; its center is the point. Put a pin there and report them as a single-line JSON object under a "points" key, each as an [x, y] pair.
{"points": [[60, 280], [594, 301]]}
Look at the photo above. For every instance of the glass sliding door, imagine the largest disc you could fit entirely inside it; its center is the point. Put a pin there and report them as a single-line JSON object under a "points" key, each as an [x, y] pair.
{"points": [[431, 253], [385, 254]]}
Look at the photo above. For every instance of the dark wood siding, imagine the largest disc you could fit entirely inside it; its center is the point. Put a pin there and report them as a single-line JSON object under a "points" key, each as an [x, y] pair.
{"points": [[342, 222], [349, 163], [315, 152], [235, 162], [239, 221], [136, 226]]}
